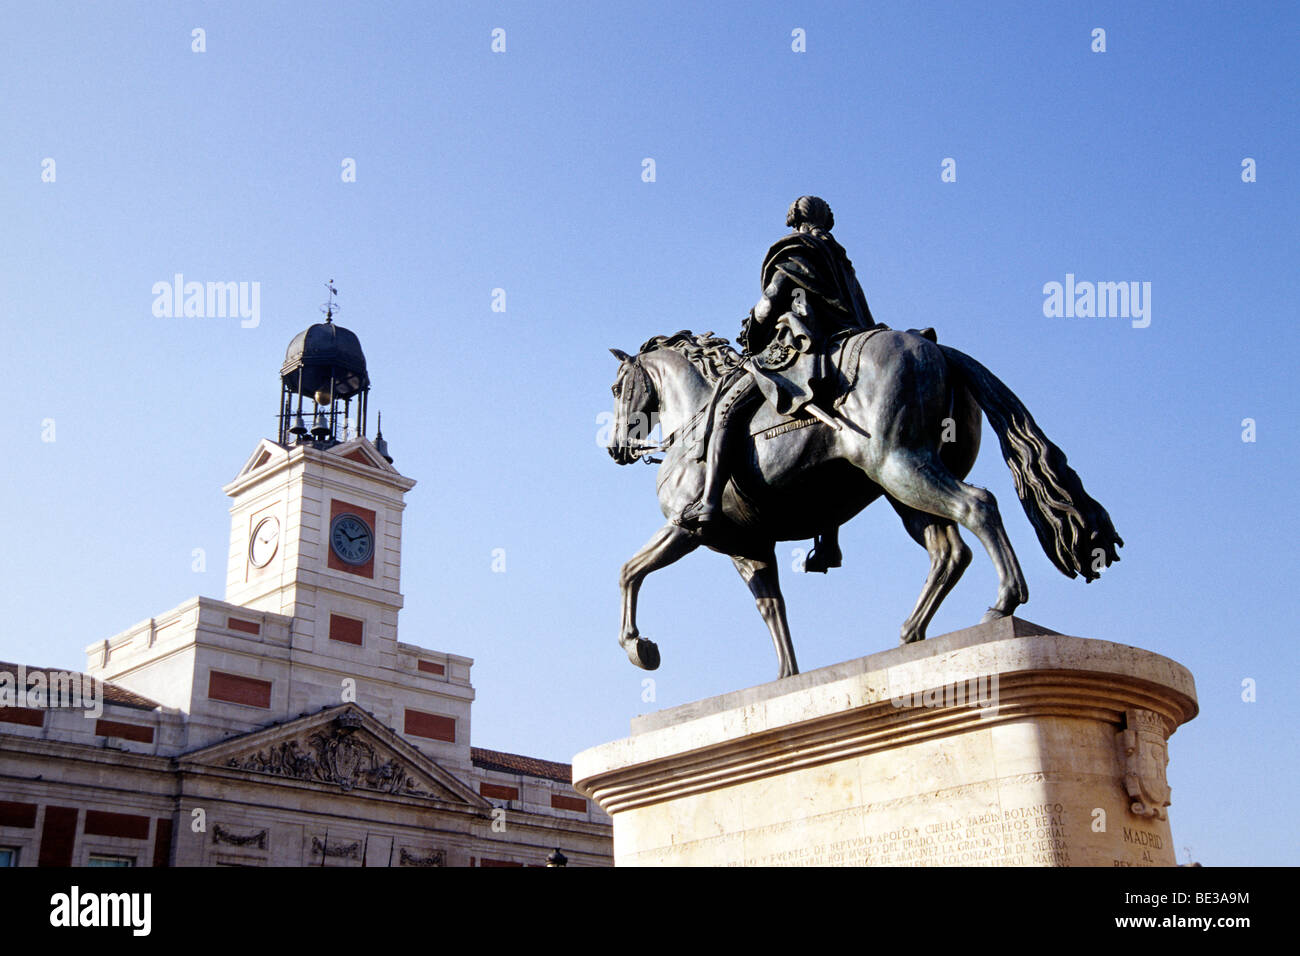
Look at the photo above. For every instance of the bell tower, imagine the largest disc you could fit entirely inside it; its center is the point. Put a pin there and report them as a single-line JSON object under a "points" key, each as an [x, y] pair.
{"points": [[313, 582], [316, 537], [316, 521]]}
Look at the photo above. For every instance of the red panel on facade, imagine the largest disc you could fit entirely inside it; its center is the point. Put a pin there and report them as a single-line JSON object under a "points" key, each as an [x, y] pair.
{"points": [[103, 823], [345, 629], [162, 843], [560, 802], [337, 508], [17, 814], [115, 728], [58, 836], [248, 627], [429, 667], [27, 716], [239, 690], [433, 726], [496, 791]]}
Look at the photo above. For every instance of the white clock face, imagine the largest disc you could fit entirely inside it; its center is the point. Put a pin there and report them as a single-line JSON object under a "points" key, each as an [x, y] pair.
{"points": [[265, 542]]}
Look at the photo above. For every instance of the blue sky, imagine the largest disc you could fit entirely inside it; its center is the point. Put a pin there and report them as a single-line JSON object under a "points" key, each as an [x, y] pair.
{"points": [[522, 171]]}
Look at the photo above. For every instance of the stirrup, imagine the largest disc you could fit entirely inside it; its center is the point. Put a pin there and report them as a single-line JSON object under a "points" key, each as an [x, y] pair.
{"points": [[816, 563]]}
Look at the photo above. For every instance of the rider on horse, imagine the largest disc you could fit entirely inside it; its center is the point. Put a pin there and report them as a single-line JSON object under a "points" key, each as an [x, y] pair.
{"points": [[810, 297]]}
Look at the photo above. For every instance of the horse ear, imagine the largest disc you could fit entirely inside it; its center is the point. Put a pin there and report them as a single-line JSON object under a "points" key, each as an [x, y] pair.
{"points": [[620, 355]]}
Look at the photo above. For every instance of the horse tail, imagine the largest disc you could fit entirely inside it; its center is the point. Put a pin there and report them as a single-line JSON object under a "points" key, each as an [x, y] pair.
{"points": [[1073, 529]]}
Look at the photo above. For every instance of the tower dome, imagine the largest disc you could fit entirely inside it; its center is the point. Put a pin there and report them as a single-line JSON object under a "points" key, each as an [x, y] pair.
{"points": [[322, 354], [324, 364]]}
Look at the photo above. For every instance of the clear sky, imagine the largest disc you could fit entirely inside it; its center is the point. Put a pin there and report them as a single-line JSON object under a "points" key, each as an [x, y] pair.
{"points": [[522, 170]]}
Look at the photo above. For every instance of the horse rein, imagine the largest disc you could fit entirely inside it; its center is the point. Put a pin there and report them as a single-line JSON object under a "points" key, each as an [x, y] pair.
{"points": [[646, 451]]}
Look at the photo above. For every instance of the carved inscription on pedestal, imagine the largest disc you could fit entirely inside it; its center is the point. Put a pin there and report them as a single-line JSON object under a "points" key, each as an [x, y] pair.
{"points": [[1030, 835]]}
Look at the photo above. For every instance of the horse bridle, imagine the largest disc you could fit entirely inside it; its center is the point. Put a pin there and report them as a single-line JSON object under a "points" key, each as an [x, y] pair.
{"points": [[646, 384]]}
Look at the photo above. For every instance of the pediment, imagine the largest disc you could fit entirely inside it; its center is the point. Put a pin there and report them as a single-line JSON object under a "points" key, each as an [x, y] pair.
{"points": [[363, 452], [264, 454], [341, 747], [362, 458]]}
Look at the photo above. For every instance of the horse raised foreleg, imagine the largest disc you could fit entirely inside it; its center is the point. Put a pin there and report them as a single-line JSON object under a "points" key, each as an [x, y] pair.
{"points": [[761, 576], [669, 544], [949, 557]]}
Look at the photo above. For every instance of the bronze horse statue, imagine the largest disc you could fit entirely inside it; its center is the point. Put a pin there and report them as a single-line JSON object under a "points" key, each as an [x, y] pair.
{"points": [[908, 429]]}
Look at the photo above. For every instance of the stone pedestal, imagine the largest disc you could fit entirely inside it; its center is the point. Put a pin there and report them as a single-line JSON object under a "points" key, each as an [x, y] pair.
{"points": [[1004, 744]]}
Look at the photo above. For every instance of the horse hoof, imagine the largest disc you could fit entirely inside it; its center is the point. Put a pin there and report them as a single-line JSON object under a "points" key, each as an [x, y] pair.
{"points": [[913, 638], [644, 654], [992, 614]]}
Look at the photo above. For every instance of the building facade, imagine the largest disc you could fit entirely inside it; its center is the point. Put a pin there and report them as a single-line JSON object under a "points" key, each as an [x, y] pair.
{"points": [[286, 724]]}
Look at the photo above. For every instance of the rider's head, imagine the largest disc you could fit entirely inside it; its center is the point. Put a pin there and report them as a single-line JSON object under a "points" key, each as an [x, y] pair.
{"points": [[810, 214]]}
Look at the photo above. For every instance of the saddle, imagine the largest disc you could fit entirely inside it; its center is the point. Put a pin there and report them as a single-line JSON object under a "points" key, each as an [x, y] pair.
{"points": [[844, 353], [845, 348]]}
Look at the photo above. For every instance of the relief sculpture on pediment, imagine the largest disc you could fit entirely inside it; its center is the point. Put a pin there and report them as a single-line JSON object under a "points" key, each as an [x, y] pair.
{"points": [[334, 754]]}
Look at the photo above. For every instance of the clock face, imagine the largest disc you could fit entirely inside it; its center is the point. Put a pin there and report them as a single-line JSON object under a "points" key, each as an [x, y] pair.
{"points": [[352, 539], [265, 542]]}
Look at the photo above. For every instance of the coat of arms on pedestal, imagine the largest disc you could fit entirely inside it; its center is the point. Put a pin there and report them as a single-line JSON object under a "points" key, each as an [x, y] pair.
{"points": [[1145, 752]]}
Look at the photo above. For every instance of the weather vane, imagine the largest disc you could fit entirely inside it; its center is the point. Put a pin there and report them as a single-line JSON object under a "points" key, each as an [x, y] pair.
{"points": [[330, 307]]}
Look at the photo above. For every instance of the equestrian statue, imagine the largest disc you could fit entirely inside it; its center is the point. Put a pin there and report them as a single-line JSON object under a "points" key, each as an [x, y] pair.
{"points": [[825, 411]]}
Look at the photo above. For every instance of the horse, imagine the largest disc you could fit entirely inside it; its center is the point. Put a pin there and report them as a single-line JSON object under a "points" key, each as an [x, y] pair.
{"points": [[906, 428]]}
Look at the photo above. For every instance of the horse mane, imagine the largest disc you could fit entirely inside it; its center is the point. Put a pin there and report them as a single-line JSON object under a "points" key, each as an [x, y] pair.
{"points": [[711, 355]]}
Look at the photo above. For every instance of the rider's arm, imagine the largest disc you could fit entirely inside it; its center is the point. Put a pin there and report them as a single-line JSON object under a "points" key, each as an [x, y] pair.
{"points": [[774, 291]]}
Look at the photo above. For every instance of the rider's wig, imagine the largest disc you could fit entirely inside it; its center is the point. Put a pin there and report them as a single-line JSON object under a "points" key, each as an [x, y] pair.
{"points": [[810, 214]]}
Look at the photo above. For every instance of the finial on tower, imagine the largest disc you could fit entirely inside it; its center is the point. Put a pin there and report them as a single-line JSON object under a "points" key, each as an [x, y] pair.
{"points": [[330, 307], [381, 446]]}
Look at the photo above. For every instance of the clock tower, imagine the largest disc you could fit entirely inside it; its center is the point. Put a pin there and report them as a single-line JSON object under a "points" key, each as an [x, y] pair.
{"points": [[316, 538], [317, 514], [290, 713]]}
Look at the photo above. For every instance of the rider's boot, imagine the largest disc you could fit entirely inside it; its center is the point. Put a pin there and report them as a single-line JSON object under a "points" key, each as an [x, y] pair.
{"points": [[825, 553], [708, 508]]}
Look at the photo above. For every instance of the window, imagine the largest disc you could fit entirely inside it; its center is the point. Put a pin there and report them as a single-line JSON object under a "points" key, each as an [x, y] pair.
{"points": [[8, 856], [98, 860]]}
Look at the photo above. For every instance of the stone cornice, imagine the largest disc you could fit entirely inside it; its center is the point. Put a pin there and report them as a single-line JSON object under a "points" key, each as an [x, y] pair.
{"points": [[306, 456], [880, 702], [178, 614], [84, 753]]}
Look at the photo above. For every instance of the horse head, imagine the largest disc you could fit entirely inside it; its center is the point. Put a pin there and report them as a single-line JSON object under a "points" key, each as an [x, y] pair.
{"points": [[635, 403]]}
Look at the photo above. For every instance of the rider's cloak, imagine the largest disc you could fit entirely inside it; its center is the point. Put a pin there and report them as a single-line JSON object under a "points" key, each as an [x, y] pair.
{"points": [[790, 356]]}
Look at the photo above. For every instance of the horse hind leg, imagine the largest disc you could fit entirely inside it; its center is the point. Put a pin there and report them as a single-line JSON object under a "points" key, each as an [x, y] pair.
{"points": [[949, 558], [761, 576], [919, 480]]}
